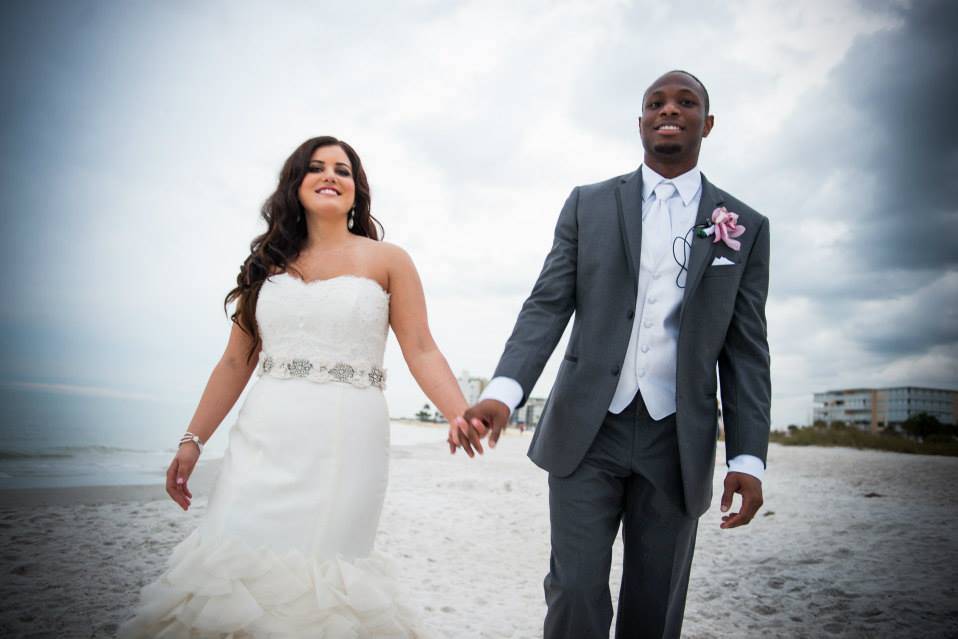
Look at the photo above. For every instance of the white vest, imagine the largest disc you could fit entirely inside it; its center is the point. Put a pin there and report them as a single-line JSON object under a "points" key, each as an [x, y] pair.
{"points": [[650, 358]]}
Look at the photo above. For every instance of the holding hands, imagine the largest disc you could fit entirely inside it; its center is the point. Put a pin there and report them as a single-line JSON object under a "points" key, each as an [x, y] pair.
{"points": [[488, 417]]}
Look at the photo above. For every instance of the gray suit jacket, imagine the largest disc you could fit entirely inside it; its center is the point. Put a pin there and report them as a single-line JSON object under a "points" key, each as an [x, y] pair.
{"points": [[592, 270]]}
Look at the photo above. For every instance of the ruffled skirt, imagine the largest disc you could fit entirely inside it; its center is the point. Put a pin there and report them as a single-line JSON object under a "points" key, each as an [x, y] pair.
{"points": [[285, 550], [229, 590]]}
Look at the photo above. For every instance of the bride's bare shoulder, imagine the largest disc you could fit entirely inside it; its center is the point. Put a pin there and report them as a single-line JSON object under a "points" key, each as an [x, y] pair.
{"points": [[393, 255]]}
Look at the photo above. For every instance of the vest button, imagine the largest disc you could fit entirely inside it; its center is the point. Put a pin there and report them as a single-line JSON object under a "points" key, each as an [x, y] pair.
{"points": [[630, 314], [615, 369]]}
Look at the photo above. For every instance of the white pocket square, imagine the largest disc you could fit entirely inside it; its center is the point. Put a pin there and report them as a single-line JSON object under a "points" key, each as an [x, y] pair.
{"points": [[722, 261]]}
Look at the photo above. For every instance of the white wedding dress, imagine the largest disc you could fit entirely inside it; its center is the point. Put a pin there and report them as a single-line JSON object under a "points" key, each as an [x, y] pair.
{"points": [[286, 547]]}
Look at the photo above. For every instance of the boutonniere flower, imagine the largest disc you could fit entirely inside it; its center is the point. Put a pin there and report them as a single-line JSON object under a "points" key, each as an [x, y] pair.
{"points": [[725, 228]]}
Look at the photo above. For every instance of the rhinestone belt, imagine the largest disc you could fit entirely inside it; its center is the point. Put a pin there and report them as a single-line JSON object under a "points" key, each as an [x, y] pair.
{"points": [[315, 371]]}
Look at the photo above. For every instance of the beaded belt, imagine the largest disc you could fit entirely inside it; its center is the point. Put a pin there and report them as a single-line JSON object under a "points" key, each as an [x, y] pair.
{"points": [[315, 371]]}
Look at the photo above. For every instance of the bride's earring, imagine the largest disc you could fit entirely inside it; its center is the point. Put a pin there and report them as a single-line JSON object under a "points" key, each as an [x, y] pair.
{"points": [[349, 222]]}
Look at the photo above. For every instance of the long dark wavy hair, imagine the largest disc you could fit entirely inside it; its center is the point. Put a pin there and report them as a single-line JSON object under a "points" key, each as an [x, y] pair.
{"points": [[277, 248]]}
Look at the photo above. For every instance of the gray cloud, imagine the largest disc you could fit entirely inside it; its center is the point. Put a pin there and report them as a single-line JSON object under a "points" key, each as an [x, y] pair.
{"points": [[914, 323], [874, 152], [901, 84]]}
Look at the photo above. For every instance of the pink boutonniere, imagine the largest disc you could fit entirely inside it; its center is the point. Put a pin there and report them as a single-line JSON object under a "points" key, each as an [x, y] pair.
{"points": [[725, 227]]}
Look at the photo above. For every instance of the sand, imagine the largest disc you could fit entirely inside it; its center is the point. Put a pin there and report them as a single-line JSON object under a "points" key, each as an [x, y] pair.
{"points": [[850, 544]]}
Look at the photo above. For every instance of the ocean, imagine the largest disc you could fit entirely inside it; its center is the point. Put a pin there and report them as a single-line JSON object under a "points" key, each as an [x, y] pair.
{"points": [[55, 439]]}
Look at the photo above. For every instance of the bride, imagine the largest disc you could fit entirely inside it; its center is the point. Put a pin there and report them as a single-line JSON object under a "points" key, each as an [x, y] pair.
{"points": [[286, 547]]}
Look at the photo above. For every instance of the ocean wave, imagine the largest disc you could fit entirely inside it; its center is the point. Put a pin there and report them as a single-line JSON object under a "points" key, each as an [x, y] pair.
{"points": [[66, 452], [17, 454]]}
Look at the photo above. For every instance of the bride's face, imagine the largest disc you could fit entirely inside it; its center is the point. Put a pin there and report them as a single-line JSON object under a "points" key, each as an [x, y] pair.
{"points": [[328, 188]]}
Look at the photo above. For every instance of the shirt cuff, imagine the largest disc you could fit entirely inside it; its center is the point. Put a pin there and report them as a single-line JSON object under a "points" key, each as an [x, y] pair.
{"points": [[505, 390], [748, 464]]}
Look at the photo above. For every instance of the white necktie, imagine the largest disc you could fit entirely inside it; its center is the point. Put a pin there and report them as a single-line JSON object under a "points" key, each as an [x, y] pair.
{"points": [[658, 225]]}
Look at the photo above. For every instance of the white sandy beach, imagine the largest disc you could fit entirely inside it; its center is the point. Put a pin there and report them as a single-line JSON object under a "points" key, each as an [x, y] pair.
{"points": [[850, 544]]}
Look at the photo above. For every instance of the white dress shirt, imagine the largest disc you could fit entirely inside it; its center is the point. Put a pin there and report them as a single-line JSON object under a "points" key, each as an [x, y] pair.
{"points": [[651, 355]]}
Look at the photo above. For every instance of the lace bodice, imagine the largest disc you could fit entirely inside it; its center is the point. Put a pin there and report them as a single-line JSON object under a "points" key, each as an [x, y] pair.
{"points": [[344, 319]]}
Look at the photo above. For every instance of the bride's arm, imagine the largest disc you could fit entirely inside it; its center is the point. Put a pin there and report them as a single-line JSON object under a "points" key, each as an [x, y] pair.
{"points": [[407, 316], [227, 381]]}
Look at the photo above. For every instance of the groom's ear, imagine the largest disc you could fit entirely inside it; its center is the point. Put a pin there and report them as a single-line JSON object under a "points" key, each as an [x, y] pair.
{"points": [[707, 125]]}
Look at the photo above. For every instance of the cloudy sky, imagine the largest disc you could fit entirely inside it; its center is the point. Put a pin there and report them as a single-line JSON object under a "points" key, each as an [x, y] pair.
{"points": [[139, 140]]}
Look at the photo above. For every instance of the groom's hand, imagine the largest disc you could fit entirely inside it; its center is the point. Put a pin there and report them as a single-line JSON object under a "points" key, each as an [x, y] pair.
{"points": [[750, 488], [488, 415]]}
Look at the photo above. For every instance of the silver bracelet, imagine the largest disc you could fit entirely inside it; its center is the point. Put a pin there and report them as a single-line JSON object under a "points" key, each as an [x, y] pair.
{"points": [[190, 437]]}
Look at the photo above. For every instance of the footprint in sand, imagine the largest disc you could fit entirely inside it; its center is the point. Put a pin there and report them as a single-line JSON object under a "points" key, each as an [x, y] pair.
{"points": [[776, 582]]}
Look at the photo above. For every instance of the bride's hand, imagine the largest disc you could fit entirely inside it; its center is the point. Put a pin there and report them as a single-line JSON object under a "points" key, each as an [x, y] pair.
{"points": [[461, 435], [453, 437], [179, 472]]}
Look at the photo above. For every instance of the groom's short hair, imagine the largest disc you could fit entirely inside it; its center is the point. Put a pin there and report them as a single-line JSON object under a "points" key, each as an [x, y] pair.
{"points": [[705, 92]]}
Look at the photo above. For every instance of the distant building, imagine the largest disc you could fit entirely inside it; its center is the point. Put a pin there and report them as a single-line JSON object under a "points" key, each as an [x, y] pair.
{"points": [[471, 387], [531, 411], [874, 408], [529, 414]]}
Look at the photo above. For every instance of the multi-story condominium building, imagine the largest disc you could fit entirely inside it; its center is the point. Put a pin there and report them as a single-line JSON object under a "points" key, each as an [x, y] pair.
{"points": [[533, 410], [471, 387], [530, 412], [874, 408]]}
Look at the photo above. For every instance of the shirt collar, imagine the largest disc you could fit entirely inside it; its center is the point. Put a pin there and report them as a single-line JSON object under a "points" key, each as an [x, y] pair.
{"points": [[688, 184]]}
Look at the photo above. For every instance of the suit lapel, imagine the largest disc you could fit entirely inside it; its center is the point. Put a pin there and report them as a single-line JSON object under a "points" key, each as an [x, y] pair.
{"points": [[702, 247], [628, 200]]}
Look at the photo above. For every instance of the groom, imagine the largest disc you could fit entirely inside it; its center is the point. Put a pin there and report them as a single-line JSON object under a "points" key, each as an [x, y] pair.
{"points": [[667, 275]]}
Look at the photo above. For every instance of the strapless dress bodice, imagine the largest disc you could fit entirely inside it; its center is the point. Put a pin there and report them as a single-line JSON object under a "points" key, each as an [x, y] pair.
{"points": [[323, 330]]}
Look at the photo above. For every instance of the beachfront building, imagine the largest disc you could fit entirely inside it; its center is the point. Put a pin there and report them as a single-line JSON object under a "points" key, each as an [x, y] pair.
{"points": [[471, 387], [529, 414], [532, 410], [874, 408]]}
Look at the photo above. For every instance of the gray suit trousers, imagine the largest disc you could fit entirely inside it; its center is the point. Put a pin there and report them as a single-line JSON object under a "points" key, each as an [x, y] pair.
{"points": [[630, 475]]}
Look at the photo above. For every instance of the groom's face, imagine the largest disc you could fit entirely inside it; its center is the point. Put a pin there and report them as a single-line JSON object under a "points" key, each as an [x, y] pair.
{"points": [[674, 120]]}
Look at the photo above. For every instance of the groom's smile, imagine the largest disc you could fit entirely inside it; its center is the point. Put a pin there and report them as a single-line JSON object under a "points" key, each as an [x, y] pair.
{"points": [[669, 129]]}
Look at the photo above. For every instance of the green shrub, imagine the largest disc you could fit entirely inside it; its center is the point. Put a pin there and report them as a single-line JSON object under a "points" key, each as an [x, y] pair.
{"points": [[818, 435]]}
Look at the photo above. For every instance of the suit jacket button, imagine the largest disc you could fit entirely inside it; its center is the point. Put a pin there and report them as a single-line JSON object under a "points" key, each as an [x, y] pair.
{"points": [[615, 369], [631, 314]]}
